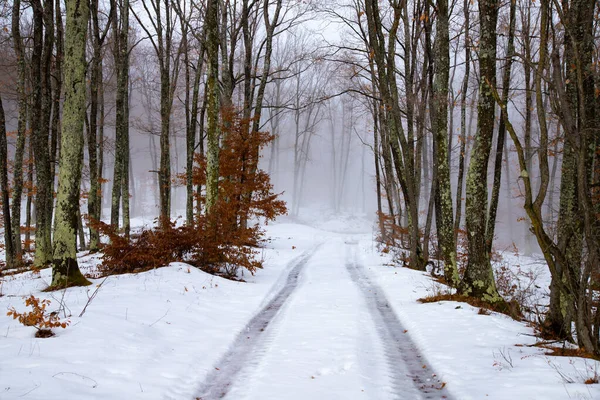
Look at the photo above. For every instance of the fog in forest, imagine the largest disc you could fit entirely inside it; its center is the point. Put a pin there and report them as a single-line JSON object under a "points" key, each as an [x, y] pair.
{"points": [[322, 155], [331, 164]]}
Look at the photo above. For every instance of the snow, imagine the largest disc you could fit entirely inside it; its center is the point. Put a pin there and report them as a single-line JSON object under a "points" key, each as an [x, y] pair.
{"points": [[473, 353], [143, 336], [161, 334], [324, 343]]}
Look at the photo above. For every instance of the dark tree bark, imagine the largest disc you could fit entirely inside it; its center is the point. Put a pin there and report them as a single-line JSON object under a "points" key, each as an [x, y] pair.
{"points": [[57, 74], [402, 154], [40, 71], [120, 191], [4, 189], [212, 90], [478, 280], [501, 137], [21, 127], [443, 193], [96, 77], [29, 203], [463, 121]]}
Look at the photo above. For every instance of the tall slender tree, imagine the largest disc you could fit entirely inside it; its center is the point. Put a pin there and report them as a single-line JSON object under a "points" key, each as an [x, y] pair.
{"points": [[463, 120], [384, 54], [501, 137], [65, 269], [97, 36], [43, 42], [8, 238], [21, 128], [161, 31], [212, 90], [120, 190], [443, 192], [478, 280]]}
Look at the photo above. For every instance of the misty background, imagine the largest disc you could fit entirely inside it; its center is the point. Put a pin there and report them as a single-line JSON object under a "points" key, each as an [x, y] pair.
{"points": [[322, 158]]}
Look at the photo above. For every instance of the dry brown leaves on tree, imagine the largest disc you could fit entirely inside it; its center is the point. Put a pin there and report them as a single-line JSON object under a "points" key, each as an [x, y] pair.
{"points": [[222, 242]]}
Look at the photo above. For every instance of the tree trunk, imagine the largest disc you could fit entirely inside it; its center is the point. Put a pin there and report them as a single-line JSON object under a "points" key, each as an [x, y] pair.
{"points": [[212, 89], [56, 98], [65, 271], [479, 280], [400, 148], [80, 231], [29, 202], [443, 193], [96, 76], [21, 127], [191, 139], [527, 69], [100, 154], [4, 189], [120, 191], [463, 122], [376, 134], [43, 245], [501, 139]]}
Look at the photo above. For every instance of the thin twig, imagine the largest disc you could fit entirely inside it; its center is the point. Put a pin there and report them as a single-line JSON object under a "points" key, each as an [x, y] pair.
{"points": [[79, 375], [160, 317], [90, 298], [26, 393]]}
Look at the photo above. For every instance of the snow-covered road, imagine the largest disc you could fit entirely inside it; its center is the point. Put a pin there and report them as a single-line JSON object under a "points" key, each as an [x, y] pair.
{"points": [[329, 317], [329, 333]]}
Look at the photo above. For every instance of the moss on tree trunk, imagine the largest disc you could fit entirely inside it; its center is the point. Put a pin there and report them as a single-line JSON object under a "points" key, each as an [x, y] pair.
{"points": [[478, 280], [65, 271]]}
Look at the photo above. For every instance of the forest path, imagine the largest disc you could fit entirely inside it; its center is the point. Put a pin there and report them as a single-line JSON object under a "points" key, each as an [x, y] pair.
{"points": [[328, 334]]}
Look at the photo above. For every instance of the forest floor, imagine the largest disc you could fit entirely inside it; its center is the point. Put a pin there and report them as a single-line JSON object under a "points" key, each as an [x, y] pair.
{"points": [[329, 317]]}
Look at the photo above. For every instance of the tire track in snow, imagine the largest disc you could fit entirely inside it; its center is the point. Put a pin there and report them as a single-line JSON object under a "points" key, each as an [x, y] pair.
{"points": [[218, 382], [403, 358]]}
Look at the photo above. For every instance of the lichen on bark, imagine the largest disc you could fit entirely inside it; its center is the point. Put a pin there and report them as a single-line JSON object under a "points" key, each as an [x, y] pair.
{"points": [[478, 280], [65, 271]]}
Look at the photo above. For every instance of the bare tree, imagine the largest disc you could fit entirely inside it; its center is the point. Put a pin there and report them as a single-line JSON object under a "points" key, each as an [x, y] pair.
{"points": [[21, 127], [65, 269], [97, 36], [43, 43], [8, 238], [478, 280], [161, 32], [439, 117]]}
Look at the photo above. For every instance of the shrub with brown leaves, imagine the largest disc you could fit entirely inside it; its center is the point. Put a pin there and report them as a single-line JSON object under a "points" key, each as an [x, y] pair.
{"points": [[38, 317], [227, 239]]}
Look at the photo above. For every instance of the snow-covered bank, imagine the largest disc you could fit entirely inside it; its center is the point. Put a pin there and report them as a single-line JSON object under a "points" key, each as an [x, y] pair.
{"points": [[151, 335], [478, 356], [159, 334]]}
